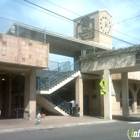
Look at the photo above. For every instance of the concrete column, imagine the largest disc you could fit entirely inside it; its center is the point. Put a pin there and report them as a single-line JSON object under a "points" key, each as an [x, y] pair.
{"points": [[79, 93], [125, 95], [30, 95], [102, 106], [135, 103], [107, 97], [134, 93]]}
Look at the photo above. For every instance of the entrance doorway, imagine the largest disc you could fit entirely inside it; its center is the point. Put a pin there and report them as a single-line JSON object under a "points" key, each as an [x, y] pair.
{"points": [[11, 96], [86, 104]]}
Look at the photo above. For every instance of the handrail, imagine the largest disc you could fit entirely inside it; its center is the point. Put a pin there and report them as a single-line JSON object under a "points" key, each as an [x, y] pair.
{"points": [[58, 101], [54, 65], [52, 71], [69, 68], [52, 80], [25, 110]]}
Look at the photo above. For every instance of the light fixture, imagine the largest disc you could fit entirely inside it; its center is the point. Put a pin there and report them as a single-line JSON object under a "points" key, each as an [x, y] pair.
{"points": [[3, 79]]}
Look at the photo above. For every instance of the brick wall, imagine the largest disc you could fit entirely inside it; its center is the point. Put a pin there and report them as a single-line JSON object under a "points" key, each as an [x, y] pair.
{"points": [[23, 51]]}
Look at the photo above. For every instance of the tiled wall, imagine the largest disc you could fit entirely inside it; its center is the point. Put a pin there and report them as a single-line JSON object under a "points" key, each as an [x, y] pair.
{"points": [[23, 51]]}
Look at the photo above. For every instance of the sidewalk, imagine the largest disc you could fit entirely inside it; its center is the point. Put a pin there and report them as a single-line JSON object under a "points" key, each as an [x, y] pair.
{"points": [[50, 122]]}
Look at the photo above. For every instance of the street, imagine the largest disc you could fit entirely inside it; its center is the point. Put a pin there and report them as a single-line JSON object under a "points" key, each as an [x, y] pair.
{"points": [[107, 131]]}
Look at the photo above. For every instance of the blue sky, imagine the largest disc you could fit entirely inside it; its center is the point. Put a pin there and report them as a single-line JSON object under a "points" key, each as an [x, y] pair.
{"points": [[21, 11]]}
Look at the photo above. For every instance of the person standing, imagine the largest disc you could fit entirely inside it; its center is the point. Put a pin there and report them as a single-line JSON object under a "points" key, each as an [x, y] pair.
{"points": [[73, 106]]}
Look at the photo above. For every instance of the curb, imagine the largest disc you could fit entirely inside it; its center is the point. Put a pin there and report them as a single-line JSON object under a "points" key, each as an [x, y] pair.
{"points": [[51, 127]]}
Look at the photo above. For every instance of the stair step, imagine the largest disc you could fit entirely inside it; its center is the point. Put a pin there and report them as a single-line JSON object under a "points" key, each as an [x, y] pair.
{"points": [[62, 104]]}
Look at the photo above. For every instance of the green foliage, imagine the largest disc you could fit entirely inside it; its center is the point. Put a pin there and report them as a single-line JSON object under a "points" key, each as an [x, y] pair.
{"points": [[110, 52]]}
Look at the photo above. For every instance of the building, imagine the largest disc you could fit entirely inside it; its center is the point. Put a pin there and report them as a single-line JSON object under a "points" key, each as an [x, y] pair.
{"points": [[28, 88]]}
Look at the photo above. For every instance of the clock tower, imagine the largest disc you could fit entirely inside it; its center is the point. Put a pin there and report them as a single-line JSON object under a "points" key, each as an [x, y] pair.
{"points": [[94, 27]]}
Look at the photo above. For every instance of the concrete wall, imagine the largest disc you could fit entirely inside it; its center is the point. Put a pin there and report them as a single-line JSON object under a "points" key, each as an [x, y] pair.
{"points": [[23, 51], [92, 89], [115, 91], [131, 75], [110, 61]]}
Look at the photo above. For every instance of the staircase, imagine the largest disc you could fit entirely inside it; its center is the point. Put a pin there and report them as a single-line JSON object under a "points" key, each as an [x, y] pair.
{"points": [[54, 104], [52, 81], [58, 101], [51, 72]]}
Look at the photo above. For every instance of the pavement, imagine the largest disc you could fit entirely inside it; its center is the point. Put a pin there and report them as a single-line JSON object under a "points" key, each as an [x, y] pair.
{"points": [[50, 122], [53, 122]]}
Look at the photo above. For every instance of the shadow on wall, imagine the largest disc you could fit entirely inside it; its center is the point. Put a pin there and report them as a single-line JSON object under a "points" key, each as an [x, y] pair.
{"points": [[110, 62]]}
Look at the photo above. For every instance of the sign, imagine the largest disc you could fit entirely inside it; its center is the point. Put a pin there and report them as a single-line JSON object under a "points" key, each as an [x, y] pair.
{"points": [[103, 91], [85, 29], [86, 34], [133, 134], [103, 83]]}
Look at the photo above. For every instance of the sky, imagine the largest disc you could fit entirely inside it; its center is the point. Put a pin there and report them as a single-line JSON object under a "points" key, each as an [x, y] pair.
{"points": [[120, 10]]}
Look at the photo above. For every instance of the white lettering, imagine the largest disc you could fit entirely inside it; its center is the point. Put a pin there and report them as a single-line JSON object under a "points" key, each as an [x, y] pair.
{"points": [[135, 134]]}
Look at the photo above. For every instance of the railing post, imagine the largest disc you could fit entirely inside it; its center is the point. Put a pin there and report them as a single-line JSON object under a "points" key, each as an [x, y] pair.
{"points": [[49, 82]]}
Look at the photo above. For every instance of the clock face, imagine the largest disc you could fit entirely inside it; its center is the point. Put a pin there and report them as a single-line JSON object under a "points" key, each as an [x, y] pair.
{"points": [[105, 25]]}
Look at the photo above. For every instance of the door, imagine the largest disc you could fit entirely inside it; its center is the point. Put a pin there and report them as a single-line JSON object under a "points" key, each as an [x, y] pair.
{"points": [[86, 104]]}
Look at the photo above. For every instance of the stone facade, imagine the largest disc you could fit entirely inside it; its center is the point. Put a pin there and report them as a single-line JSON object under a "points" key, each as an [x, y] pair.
{"points": [[16, 50]]}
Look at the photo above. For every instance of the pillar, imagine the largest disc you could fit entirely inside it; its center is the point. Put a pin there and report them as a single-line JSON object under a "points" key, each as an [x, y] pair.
{"points": [[102, 106], [135, 103], [134, 91], [107, 97], [125, 95], [30, 95], [79, 93]]}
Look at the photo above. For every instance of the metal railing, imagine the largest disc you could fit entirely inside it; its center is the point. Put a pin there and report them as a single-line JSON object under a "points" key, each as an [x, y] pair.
{"points": [[48, 81], [23, 111], [58, 101], [49, 73], [53, 65]]}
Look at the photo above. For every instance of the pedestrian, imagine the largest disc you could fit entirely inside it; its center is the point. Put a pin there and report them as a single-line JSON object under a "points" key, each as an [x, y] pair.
{"points": [[73, 106]]}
